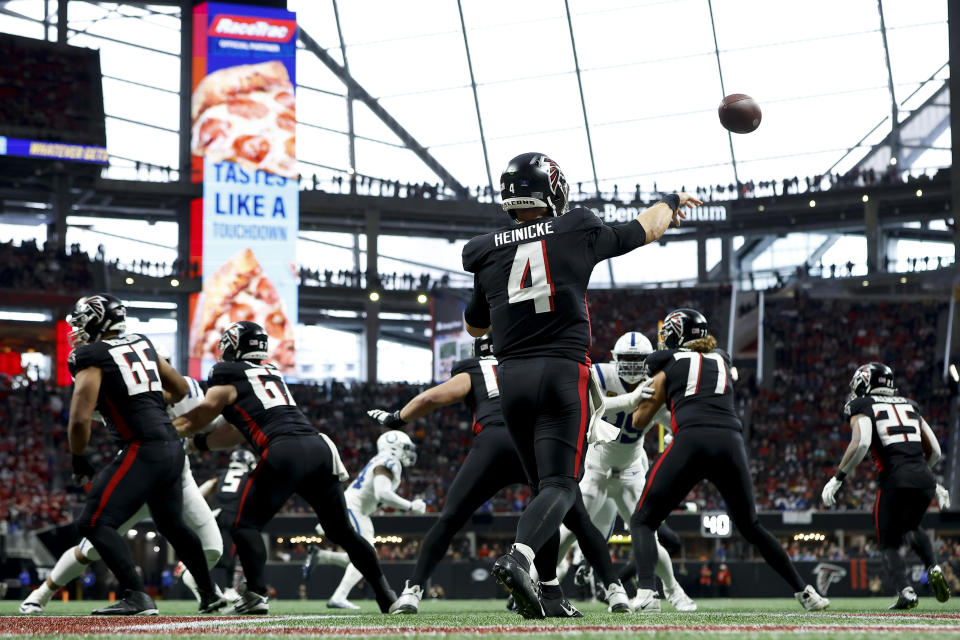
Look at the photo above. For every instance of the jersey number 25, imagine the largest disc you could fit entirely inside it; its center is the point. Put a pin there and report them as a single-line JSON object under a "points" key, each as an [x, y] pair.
{"points": [[531, 258]]}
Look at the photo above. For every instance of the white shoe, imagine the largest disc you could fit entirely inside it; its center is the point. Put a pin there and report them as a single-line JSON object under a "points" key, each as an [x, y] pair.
{"points": [[617, 599], [680, 600], [341, 604], [409, 600], [36, 601], [249, 603], [231, 594], [646, 601], [811, 600]]}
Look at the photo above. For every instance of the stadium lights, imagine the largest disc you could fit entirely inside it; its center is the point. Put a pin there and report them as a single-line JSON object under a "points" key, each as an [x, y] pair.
{"points": [[866, 283], [621, 538], [865, 198], [893, 160], [129, 280], [351, 171], [422, 298], [279, 540], [382, 539], [374, 296], [761, 208], [954, 373], [303, 539], [156, 549], [151, 535], [26, 316], [132, 533], [809, 537], [903, 279], [919, 192], [813, 203], [174, 282]]}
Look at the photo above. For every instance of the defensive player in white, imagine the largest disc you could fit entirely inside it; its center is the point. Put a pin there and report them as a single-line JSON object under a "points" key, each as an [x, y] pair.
{"points": [[374, 487], [196, 513], [617, 470]]}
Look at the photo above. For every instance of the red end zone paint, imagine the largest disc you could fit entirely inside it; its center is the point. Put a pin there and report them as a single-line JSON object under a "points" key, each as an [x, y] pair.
{"points": [[281, 625]]}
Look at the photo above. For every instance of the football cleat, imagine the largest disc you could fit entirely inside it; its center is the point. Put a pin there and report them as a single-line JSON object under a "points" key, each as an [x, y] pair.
{"points": [[409, 600], [133, 603], [646, 601], [249, 603], [939, 583], [341, 604], [906, 599], [30, 608], [680, 600], [616, 598], [811, 600], [212, 602], [554, 604], [513, 572], [36, 601]]}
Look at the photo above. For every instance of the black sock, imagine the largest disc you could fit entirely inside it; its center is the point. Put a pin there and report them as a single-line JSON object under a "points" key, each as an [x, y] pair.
{"points": [[542, 517], [626, 577], [920, 543], [186, 543], [432, 550], [116, 555], [644, 552], [769, 547], [546, 558], [896, 568], [593, 544], [253, 557]]}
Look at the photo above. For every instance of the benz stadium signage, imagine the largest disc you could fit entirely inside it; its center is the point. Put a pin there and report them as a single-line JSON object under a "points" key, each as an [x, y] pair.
{"points": [[613, 213]]}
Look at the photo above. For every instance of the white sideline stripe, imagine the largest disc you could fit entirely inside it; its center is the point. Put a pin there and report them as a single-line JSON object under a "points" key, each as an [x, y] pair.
{"points": [[222, 622]]}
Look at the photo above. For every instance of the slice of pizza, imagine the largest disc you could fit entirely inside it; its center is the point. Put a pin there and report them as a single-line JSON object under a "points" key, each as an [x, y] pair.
{"points": [[247, 114], [239, 290]]}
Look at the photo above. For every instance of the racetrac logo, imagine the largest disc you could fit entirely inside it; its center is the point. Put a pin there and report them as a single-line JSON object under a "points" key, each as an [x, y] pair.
{"points": [[253, 28]]}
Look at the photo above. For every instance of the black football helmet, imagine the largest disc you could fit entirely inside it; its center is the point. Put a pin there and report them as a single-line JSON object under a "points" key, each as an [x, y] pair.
{"points": [[243, 340], [243, 458], [93, 316], [483, 346], [533, 180], [872, 378], [681, 326]]}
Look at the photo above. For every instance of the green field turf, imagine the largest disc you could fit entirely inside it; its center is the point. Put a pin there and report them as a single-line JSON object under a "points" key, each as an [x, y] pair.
{"points": [[462, 619]]}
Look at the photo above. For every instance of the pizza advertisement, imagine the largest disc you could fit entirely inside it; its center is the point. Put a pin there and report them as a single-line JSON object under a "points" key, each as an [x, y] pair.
{"points": [[243, 149]]}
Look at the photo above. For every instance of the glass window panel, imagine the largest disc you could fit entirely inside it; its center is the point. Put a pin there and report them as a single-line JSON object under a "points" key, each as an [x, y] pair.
{"points": [[137, 142]]}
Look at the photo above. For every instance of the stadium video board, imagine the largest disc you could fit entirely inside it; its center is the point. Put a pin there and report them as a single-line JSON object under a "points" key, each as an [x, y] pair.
{"points": [[243, 148]]}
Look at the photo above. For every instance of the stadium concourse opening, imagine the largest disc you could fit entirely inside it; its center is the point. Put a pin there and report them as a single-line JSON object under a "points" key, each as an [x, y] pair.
{"points": [[272, 230]]}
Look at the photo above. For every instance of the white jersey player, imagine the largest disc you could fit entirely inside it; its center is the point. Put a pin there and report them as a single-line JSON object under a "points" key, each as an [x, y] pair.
{"points": [[616, 471], [196, 513], [374, 487]]}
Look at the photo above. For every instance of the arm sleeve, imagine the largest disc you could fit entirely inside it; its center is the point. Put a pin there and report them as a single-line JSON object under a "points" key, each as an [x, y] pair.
{"points": [[477, 313], [383, 490], [616, 240]]}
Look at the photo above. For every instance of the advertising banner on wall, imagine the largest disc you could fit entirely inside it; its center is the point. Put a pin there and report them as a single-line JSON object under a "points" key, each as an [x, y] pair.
{"points": [[451, 342], [243, 148]]}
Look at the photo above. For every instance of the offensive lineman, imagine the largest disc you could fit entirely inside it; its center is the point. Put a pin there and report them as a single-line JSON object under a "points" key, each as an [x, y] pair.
{"points": [[690, 372], [905, 449], [374, 487], [530, 285], [74, 561], [618, 469], [294, 458], [491, 465], [124, 380]]}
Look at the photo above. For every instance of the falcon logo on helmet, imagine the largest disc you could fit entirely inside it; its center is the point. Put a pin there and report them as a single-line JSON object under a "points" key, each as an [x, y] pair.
{"points": [[531, 181], [681, 327], [872, 378], [243, 340], [93, 316]]}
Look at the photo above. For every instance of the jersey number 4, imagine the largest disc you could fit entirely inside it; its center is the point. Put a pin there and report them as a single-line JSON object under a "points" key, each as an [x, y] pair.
{"points": [[269, 388], [898, 424], [139, 372], [531, 258]]}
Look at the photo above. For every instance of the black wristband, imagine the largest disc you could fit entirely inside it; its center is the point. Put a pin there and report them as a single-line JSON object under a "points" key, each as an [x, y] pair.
{"points": [[399, 421], [672, 200], [840, 475], [200, 442]]}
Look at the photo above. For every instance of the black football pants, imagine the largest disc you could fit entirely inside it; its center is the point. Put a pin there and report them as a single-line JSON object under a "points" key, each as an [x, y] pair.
{"points": [[303, 465], [143, 472], [896, 515], [545, 406], [703, 453]]}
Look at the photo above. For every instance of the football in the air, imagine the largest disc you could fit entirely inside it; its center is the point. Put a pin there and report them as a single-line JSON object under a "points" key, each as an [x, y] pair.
{"points": [[739, 113]]}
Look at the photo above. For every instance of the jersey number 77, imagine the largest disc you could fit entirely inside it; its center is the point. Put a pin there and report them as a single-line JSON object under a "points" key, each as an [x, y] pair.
{"points": [[531, 259]]}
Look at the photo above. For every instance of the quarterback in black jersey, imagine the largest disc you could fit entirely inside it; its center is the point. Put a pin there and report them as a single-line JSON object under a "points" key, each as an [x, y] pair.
{"points": [[905, 449], [491, 465], [294, 458], [530, 283], [123, 379], [693, 376]]}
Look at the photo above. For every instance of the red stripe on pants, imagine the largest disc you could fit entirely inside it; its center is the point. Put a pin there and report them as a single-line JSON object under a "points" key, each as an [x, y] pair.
{"points": [[653, 473], [246, 488], [582, 380], [128, 459]]}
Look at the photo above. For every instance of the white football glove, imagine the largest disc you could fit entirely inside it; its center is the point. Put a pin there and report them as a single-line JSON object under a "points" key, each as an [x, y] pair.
{"points": [[386, 418], [829, 494], [643, 392], [667, 438], [943, 497], [418, 506]]}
